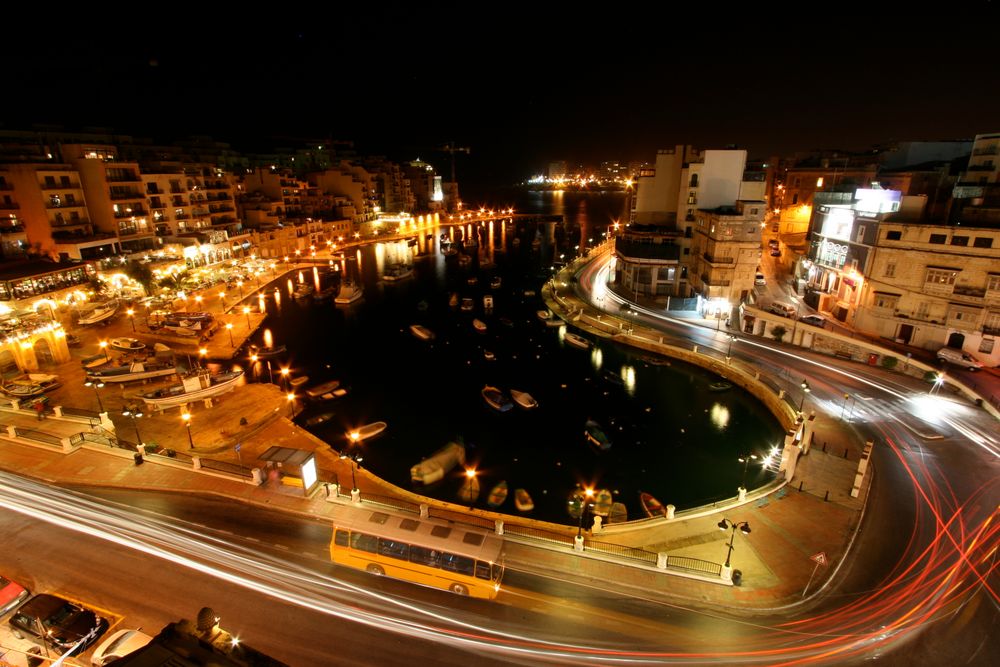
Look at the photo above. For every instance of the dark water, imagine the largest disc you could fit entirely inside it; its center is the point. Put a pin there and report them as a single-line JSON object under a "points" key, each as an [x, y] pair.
{"points": [[670, 435]]}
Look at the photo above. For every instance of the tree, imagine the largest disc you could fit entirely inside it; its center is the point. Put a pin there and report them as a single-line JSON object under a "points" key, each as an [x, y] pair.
{"points": [[889, 362], [140, 273], [778, 332]]}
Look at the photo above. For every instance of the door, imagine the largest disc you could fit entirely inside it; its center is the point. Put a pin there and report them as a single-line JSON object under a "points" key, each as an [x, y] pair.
{"points": [[956, 340], [905, 333]]}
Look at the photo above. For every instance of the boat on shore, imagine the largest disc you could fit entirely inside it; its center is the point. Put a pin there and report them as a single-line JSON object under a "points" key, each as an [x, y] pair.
{"points": [[496, 399], [127, 344], [524, 399], [135, 370], [421, 332], [651, 506], [195, 387], [366, 431], [349, 293], [30, 385], [523, 501], [577, 341], [596, 435], [264, 353], [479, 325], [618, 514], [433, 468], [720, 386], [603, 500], [498, 495], [99, 313], [322, 388]]}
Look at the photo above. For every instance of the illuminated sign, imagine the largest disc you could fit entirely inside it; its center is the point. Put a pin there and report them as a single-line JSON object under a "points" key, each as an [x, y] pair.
{"points": [[309, 473], [838, 224], [877, 201]]}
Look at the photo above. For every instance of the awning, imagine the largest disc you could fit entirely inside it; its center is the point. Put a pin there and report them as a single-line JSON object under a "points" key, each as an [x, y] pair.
{"points": [[286, 455]]}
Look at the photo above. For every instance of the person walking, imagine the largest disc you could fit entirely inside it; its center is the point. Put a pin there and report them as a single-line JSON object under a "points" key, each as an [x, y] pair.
{"points": [[40, 410]]}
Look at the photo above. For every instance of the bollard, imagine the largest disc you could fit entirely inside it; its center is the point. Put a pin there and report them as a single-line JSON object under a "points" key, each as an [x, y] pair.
{"points": [[845, 452], [424, 511], [826, 498], [670, 511], [800, 485]]}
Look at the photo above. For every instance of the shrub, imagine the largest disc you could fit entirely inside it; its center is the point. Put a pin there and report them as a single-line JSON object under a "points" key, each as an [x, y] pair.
{"points": [[930, 376], [778, 332], [889, 362]]}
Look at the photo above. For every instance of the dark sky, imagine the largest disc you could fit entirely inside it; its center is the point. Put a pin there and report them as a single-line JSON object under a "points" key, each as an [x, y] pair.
{"points": [[520, 84]]}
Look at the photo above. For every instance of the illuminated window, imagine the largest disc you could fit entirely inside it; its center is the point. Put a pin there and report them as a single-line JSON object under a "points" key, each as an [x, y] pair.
{"points": [[886, 301], [940, 277]]}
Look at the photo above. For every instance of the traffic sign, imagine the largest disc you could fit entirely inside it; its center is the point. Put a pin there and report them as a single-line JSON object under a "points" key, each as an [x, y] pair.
{"points": [[238, 445], [820, 558]]}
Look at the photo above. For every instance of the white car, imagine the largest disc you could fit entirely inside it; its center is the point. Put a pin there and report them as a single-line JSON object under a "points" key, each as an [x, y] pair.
{"points": [[814, 320], [759, 279], [119, 645], [783, 309], [960, 358]]}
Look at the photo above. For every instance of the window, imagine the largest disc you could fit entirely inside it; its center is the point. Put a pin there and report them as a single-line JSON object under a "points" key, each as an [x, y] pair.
{"points": [[64, 181], [993, 282], [795, 197], [461, 564], [50, 181], [70, 200], [893, 236], [861, 234], [753, 211], [363, 542], [692, 198], [342, 538], [886, 301], [986, 345], [890, 270], [687, 251], [394, 549], [937, 238], [483, 570], [983, 242], [425, 556], [940, 277], [694, 181], [960, 240], [923, 310]]}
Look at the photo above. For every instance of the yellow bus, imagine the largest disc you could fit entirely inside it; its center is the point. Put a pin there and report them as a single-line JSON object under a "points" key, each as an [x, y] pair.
{"points": [[429, 552]]}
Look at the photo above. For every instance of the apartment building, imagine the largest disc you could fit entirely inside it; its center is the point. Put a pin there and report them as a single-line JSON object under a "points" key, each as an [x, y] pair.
{"points": [[725, 253]]}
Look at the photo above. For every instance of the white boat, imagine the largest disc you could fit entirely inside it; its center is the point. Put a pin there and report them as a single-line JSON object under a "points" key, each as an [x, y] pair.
{"points": [[99, 313], [468, 304], [433, 468], [395, 272], [195, 387], [495, 283], [577, 341], [529, 292], [349, 293], [544, 314], [479, 325], [159, 365], [524, 399], [366, 431], [127, 344], [421, 332], [488, 302], [320, 389], [298, 382]]}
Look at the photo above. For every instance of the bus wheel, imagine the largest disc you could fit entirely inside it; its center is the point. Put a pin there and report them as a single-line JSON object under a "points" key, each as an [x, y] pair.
{"points": [[459, 589], [375, 569]]}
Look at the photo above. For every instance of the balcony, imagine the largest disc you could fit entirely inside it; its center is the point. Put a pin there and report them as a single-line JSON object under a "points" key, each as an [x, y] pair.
{"points": [[65, 204], [57, 186], [182, 216], [714, 259], [131, 178], [134, 213], [119, 196], [715, 282], [69, 224], [981, 167], [967, 290], [991, 330], [11, 229], [133, 231], [221, 209]]}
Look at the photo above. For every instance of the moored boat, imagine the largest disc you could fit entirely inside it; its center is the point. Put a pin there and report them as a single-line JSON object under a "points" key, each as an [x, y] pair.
{"points": [[421, 332], [577, 341], [495, 283], [99, 313], [618, 514], [468, 304], [544, 314], [524, 399], [316, 420], [719, 386], [479, 325], [127, 344], [651, 506], [433, 468], [523, 501], [320, 389], [135, 370], [349, 293], [596, 435], [196, 387], [488, 302], [602, 502], [299, 381], [496, 399], [395, 272], [263, 353], [498, 495], [366, 431]]}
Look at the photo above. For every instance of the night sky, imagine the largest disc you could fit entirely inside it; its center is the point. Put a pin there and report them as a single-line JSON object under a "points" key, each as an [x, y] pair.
{"points": [[518, 84]]}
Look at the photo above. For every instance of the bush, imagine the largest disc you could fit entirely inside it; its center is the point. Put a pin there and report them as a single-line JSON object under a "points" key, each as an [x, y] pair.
{"points": [[778, 332], [889, 362], [930, 376]]}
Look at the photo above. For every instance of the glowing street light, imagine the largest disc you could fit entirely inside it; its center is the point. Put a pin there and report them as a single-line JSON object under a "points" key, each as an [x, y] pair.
{"points": [[229, 328], [745, 460], [588, 493], [186, 416], [135, 413], [104, 348], [724, 525], [96, 384], [291, 404], [471, 474], [246, 311], [805, 390], [131, 319], [729, 352]]}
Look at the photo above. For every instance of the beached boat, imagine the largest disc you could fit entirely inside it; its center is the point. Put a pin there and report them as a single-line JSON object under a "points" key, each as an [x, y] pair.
{"points": [[719, 386], [602, 502], [196, 387], [618, 514], [498, 495], [496, 399], [524, 399], [523, 501], [322, 388], [264, 353], [495, 283], [366, 431], [22, 389], [316, 420], [651, 506], [488, 302], [479, 325], [127, 344], [596, 435], [489, 355], [468, 491], [529, 292], [421, 332], [349, 293], [468, 305], [577, 341], [160, 365], [99, 313], [433, 468], [612, 377]]}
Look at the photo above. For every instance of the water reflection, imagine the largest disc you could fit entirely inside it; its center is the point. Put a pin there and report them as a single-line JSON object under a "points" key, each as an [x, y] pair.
{"points": [[719, 415]]}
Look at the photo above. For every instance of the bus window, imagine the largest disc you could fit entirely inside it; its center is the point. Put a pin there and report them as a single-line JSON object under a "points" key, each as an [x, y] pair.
{"points": [[459, 564], [393, 549], [364, 542], [483, 570], [341, 538], [424, 556]]}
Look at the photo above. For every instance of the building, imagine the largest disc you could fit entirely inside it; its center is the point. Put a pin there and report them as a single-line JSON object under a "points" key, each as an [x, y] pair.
{"points": [[725, 254], [425, 185]]}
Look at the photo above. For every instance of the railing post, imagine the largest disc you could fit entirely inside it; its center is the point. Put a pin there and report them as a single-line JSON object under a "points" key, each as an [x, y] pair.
{"points": [[661, 560], [196, 462], [499, 526], [57, 409], [11, 430]]}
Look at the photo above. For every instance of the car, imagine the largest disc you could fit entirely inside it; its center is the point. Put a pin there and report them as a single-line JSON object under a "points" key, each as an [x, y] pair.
{"points": [[11, 594], [780, 308], [57, 623], [759, 279], [117, 646], [814, 320], [775, 252], [959, 358], [773, 243]]}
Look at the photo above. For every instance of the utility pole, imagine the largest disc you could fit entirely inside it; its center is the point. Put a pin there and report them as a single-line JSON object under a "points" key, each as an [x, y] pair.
{"points": [[450, 147]]}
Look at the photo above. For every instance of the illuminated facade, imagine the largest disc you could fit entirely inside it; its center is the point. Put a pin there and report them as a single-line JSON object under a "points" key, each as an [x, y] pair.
{"points": [[725, 253]]}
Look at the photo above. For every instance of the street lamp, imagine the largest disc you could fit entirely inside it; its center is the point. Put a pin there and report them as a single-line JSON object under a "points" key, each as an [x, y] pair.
{"points": [[229, 328], [96, 385], [588, 493], [135, 413], [745, 460], [729, 352], [239, 283], [724, 525], [202, 353], [938, 381], [805, 390], [130, 313], [284, 377], [104, 348], [222, 296], [186, 416], [355, 459], [246, 311], [291, 404], [471, 474]]}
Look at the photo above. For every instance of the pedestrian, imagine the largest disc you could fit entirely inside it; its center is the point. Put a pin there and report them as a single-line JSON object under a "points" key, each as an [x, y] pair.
{"points": [[40, 409]]}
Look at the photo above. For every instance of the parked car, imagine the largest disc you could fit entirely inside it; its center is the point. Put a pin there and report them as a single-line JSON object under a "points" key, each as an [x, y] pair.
{"points": [[773, 243], [775, 252], [814, 320], [759, 279], [55, 622], [959, 358], [118, 645], [11, 594], [780, 308]]}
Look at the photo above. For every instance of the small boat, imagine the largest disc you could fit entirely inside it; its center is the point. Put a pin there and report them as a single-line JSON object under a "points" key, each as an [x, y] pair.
{"points": [[529, 292], [195, 387], [488, 355], [316, 420], [468, 304], [468, 491], [421, 332], [320, 389], [651, 506], [263, 353], [596, 435], [618, 514], [479, 325], [73, 340], [524, 399], [719, 386], [190, 316], [22, 389], [498, 495], [464, 260], [612, 377], [577, 341], [472, 281], [99, 313], [433, 468], [495, 283], [325, 294], [366, 431], [602, 502], [496, 399], [523, 501], [488, 302], [544, 314], [349, 293], [134, 370], [332, 394], [507, 322], [299, 381], [127, 344], [303, 291], [453, 300], [395, 272]]}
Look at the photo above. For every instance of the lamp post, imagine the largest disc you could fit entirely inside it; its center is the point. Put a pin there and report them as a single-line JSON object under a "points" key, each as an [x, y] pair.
{"points": [[284, 377], [355, 491], [729, 352], [726, 524], [186, 416], [104, 348], [134, 413], [131, 319], [96, 385], [222, 297], [239, 283], [229, 328], [202, 354], [805, 390], [291, 404], [588, 493], [745, 460], [246, 311], [938, 381], [471, 474]]}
